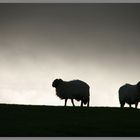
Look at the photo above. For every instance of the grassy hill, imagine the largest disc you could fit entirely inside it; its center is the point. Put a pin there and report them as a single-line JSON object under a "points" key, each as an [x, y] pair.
{"points": [[21, 120]]}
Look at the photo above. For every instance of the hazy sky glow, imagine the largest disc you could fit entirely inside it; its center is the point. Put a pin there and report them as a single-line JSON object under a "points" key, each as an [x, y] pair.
{"points": [[96, 43]]}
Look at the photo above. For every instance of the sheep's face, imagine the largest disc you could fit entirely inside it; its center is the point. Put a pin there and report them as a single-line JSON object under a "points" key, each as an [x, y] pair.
{"points": [[56, 82]]}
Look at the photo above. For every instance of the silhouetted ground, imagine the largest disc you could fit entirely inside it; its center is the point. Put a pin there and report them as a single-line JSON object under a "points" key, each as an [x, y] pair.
{"points": [[46, 121]]}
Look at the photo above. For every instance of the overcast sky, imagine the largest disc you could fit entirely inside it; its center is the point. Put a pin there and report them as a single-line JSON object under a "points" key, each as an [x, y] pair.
{"points": [[96, 43]]}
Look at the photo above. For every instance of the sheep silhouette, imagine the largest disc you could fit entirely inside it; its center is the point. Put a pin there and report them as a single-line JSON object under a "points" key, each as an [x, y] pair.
{"points": [[129, 94], [75, 89]]}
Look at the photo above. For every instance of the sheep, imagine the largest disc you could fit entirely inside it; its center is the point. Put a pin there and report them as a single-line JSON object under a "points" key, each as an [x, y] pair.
{"points": [[75, 89], [129, 94]]}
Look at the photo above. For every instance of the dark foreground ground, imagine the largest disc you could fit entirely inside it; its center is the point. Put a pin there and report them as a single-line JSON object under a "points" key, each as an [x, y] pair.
{"points": [[46, 121]]}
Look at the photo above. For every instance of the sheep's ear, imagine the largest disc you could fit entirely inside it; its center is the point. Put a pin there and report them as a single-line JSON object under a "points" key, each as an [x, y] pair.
{"points": [[59, 80]]}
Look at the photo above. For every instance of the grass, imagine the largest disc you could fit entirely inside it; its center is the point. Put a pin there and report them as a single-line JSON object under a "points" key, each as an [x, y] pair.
{"points": [[56, 121]]}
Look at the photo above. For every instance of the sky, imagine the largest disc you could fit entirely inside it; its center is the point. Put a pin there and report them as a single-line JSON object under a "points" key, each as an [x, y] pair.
{"points": [[96, 43]]}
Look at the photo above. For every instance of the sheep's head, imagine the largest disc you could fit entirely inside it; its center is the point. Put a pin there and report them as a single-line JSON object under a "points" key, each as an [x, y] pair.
{"points": [[138, 85], [56, 82]]}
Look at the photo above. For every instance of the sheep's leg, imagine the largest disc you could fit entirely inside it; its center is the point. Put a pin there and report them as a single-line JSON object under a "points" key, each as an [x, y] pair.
{"points": [[136, 104], [88, 103], [122, 104], [81, 103], [72, 102], [66, 102], [130, 105]]}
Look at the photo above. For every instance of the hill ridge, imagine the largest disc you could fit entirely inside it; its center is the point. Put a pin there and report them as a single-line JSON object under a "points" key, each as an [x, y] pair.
{"points": [[54, 121]]}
